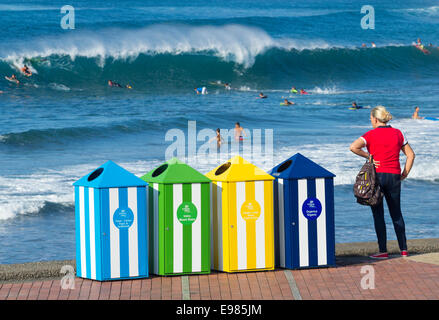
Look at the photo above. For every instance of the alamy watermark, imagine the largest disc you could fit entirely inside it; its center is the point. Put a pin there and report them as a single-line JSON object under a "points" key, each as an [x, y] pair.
{"points": [[68, 20], [68, 280], [368, 280], [207, 146], [368, 20]]}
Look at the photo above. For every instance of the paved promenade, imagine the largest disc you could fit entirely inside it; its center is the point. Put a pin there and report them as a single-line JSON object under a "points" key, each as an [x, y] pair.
{"points": [[416, 277]]}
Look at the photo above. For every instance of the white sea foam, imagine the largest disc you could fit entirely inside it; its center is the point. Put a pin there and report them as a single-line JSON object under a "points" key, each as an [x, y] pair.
{"points": [[59, 87], [237, 43], [335, 90], [428, 11]]}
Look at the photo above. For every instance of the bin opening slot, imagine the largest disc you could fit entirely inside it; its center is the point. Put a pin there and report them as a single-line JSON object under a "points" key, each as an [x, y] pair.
{"points": [[95, 174], [160, 170], [284, 166], [223, 168]]}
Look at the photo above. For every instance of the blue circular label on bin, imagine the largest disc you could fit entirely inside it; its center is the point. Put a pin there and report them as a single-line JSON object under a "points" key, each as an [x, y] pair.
{"points": [[123, 218], [312, 208]]}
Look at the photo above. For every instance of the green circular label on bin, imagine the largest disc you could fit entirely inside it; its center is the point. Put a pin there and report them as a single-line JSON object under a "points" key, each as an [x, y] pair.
{"points": [[123, 218], [187, 213], [250, 210]]}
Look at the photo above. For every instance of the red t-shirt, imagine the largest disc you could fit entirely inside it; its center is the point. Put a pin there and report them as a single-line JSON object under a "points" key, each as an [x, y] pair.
{"points": [[384, 144]]}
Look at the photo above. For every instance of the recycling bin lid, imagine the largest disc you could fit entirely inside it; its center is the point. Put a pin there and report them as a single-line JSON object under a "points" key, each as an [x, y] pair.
{"points": [[110, 175], [299, 167], [238, 169], [174, 171]]}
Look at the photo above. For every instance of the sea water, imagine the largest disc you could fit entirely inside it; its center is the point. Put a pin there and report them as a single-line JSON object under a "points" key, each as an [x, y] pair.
{"points": [[64, 121]]}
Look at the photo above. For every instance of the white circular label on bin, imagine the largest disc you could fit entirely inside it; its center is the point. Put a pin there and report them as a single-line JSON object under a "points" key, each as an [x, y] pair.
{"points": [[312, 208], [123, 218]]}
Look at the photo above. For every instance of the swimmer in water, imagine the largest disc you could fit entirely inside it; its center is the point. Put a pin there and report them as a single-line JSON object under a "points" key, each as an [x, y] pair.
{"points": [[227, 86], [239, 132], [218, 138], [26, 71], [294, 90], [261, 96], [287, 103], [415, 114], [373, 45]]}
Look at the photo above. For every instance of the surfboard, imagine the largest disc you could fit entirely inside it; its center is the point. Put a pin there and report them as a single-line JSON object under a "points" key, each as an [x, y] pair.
{"points": [[219, 84], [12, 80], [421, 49]]}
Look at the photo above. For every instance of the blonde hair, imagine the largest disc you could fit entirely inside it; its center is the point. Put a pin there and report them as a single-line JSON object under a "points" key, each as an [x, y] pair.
{"points": [[381, 113]]}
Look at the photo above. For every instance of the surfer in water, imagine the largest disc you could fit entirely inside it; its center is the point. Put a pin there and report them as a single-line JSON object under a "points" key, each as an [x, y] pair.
{"points": [[201, 90], [303, 91], [294, 90], [227, 86], [287, 103], [112, 83], [26, 71], [415, 114], [239, 132], [356, 106], [13, 78], [261, 96]]}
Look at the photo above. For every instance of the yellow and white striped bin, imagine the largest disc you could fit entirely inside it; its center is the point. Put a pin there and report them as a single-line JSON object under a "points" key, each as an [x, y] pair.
{"points": [[241, 217]]}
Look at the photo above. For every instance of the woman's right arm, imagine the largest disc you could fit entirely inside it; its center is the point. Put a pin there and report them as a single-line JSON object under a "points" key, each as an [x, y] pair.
{"points": [[357, 148], [410, 154]]}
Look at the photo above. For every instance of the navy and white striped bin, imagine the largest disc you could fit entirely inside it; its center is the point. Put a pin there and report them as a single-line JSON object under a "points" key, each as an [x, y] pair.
{"points": [[303, 214], [111, 225]]}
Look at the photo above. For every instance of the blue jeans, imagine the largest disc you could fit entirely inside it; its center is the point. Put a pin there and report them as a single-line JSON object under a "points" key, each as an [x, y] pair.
{"points": [[391, 187]]}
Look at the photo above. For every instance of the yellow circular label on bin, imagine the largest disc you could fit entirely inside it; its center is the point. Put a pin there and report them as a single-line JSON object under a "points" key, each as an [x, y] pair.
{"points": [[250, 210]]}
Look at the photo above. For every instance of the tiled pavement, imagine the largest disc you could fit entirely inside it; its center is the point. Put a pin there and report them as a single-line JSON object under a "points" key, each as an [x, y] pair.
{"points": [[394, 279]]}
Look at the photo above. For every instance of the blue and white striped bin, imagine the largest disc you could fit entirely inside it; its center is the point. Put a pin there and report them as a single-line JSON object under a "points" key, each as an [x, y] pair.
{"points": [[303, 214], [111, 225]]}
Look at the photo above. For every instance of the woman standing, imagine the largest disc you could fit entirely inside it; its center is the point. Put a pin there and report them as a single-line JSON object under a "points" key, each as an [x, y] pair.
{"points": [[384, 143]]}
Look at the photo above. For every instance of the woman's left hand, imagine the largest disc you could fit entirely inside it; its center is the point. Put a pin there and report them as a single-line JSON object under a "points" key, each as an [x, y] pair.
{"points": [[404, 175]]}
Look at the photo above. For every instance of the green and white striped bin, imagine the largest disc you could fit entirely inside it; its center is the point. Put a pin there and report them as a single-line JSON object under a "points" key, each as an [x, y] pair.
{"points": [[179, 219]]}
